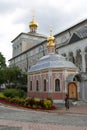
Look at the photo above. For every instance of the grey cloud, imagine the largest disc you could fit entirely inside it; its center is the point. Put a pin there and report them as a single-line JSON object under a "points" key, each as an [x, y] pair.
{"points": [[45, 15], [7, 6]]}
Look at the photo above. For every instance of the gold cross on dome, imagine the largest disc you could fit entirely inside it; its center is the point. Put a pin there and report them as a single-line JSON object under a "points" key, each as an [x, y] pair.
{"points": [[50, 30], [33, 14]]}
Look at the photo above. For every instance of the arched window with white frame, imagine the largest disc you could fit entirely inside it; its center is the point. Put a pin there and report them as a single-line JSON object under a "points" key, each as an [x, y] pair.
{"points": [[44, 84], [37, 85], [57, 85], [30, 85]]}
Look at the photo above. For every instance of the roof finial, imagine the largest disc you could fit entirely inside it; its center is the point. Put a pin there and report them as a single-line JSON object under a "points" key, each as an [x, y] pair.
{"points": [[33, 24], [33, 14], [51, 42], [50, 30], [51, 38]]}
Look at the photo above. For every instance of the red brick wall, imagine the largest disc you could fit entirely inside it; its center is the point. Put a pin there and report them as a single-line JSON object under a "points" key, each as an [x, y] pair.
{"points": [[43, 95]]}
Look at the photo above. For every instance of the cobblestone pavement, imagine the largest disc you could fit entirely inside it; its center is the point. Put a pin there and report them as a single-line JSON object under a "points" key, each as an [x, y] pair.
{"points": [[23, 119]]}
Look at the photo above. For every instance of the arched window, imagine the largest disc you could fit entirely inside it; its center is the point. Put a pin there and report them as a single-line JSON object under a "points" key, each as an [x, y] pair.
{"points": [[78, 59], [57, 85], [71, 57], [63, 54], [37, 85], [44, 84], [86, 57], [30, 85]]}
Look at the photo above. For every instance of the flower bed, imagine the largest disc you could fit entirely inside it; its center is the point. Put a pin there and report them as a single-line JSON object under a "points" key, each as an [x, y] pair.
{"points": [[30, 107], [28, 102]]}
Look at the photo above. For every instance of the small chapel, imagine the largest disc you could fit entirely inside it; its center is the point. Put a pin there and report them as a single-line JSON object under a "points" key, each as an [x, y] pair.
{"points": [[53, 76]]}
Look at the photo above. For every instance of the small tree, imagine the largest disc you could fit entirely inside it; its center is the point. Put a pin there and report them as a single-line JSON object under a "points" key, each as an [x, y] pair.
{"points": [[2, 61], [16, 76], [11, 75], [2, 67]]}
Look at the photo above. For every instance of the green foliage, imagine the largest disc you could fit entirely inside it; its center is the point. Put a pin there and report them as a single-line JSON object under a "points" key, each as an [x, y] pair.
{"points": [[2, 61], [47, 103], [14, 93], [2, 76], [27, 101], [22, 93], [17, 100], [12, 76], [11, 95], [2, 96], [22, 78], [32, 102], [37, 102]]}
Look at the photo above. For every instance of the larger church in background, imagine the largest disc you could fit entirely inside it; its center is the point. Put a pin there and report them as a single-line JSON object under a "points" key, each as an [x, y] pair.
{"points": [[71, 43]]}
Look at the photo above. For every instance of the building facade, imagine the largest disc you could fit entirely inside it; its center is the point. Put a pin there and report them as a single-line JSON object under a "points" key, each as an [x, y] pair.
{"points": [[26, 48], [49, 77], [71, 43]]}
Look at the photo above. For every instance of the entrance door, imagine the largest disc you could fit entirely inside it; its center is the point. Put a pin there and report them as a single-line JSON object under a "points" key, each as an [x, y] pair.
{"points": [[72, 90]]}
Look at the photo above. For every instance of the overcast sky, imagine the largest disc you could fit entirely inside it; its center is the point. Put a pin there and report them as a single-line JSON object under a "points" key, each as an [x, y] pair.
{"points": [[15, 16]]}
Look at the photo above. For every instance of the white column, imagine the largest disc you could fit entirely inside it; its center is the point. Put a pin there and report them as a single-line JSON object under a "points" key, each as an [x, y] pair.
{"points": [[74, 54], [67, 56], [83, 61], [49, 80]]}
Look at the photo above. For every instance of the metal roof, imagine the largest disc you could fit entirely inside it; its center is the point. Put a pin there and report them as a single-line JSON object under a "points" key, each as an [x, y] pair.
{"points": [[52, 61]]}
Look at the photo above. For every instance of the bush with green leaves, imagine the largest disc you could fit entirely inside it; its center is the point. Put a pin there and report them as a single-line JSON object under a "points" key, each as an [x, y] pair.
{"points": [[32, 102], [47, 103], [14, 93], [22, 93], [13, 96], [27, 101], [17, 100], [37, 102], [2, 96]]}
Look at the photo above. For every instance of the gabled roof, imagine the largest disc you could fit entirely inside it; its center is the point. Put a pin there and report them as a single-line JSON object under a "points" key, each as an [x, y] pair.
{"points": [[74, 38], [82, 32], [78, 35], [30, 34], [68, 29]]}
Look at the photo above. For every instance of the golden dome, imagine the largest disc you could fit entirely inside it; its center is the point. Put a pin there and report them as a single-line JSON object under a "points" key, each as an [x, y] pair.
{"points": [[51, 39], [33, 23], [51, 44]]}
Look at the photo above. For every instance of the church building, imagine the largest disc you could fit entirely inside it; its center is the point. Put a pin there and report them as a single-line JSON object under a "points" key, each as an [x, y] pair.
{"points": [[49, 77], [29, 47]]}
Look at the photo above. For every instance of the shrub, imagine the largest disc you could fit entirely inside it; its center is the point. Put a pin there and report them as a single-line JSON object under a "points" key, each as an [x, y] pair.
{"points": [[2, 96], [10, 93], [42, 103], [32, 102], [27, 101], [50, 100], [47, 103], [37, 102], [22, 94], [17, 100], [14, 93]]}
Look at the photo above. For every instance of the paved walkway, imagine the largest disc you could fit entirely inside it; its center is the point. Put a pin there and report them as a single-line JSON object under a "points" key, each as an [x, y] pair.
{"points": [[17, 125], [78, 109], [22, 119]]}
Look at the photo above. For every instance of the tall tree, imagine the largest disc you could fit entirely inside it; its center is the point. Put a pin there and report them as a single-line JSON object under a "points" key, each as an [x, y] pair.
{"points": [[2, 61]]}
